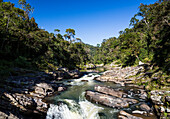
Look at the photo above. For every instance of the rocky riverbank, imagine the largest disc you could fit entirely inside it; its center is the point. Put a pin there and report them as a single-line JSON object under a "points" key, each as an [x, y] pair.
{"points": [[22, 94], [144, 103]]}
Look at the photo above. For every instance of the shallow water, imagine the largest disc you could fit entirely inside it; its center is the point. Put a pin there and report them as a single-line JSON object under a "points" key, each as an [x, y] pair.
{"points": [[72, 104]]}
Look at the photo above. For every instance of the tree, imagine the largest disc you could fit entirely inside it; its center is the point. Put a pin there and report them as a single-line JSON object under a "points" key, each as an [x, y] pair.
{"points": [[70, 33], [26, 6]]}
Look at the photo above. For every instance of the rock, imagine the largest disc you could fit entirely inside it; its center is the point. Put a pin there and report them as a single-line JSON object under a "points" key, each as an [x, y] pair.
{"points": [[156, 99], [125, 115], [142, 95], [130, 101], [106, 100], [44, 89], [21, 99], [41, 106], [119, 76], [162, 109], [167, 99], [8, 116], [139, 112], [168, 110], [84, 80], [63, 69], [36, 95], [135, 86], [61, 89], [109, 91], [145, 107]]}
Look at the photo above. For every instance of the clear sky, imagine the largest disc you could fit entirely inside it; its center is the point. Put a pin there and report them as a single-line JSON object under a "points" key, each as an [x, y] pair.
{"points": [[93, 20]]}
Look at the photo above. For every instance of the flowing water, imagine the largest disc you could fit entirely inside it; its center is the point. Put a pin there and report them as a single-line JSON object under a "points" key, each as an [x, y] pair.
{"points": [[72, 104]]}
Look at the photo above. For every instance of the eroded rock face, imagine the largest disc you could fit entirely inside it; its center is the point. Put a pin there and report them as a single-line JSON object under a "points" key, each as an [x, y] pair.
{"points": [[106, 100]]}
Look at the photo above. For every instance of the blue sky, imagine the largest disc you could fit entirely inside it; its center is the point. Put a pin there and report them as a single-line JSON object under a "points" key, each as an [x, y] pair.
{"points": [[93, 20]]}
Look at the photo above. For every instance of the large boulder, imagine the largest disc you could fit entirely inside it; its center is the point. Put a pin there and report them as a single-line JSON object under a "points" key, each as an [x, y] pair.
{"points": [[26, 104], [109, 91], [106, 100], [119, 75], [125, 115], [145, 107], [44, 89]]}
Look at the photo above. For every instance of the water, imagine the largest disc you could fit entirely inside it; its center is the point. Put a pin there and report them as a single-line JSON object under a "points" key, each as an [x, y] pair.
{"points": [[72, 104]]}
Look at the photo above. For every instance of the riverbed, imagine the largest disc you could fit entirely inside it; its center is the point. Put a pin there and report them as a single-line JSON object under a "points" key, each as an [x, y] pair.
{"points": [[72, 104]]}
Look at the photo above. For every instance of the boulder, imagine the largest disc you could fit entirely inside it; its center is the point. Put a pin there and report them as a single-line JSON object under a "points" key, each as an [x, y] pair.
{"points": [[21, 100], [167, 99], [130, 100], [139, 112], [125, 115], [120, 75], [145, 107], [106, 100], [44, 89], [156, 99], [41, 106], [61, 89], [109, 91]]}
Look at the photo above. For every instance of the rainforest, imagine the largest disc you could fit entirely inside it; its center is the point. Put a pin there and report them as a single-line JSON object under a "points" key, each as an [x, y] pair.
{"points": [[41, 73]]}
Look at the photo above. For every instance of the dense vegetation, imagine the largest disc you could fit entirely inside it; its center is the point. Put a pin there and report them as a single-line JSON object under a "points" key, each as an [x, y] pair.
{"points": [[24, 44], [146, 40]]}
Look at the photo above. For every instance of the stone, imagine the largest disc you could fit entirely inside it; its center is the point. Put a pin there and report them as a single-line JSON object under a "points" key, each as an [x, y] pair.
{"points": [[167, 99], [145, 107], [139, 112], [162, 109], [44, 89], [130, 100], [119, 75], [41, 106], [61, 89], [84, 81], [109, 91], [106, 100], [168, 110], [156, 99], [125, 115]]}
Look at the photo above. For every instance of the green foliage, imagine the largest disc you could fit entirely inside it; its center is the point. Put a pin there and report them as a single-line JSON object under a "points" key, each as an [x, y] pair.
{"points": [[24, 44], [147, 40], [22, 62]]}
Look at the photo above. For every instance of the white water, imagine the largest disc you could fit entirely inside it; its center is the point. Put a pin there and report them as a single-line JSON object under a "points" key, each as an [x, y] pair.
{"points": [[71, 109]]}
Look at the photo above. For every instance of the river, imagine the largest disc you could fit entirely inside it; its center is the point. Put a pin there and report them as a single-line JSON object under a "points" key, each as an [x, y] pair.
{"points": [[72, 104]]}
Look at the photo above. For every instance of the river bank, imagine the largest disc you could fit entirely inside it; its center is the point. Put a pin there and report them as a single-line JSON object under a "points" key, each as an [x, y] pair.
{"points": [[23, 93], [133, 86]]}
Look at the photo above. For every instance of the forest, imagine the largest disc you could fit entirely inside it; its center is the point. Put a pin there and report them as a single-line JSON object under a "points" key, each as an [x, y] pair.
{"points": [[47, 75], [23, 44]]}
